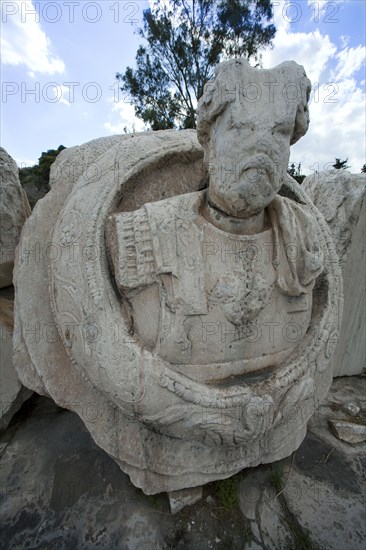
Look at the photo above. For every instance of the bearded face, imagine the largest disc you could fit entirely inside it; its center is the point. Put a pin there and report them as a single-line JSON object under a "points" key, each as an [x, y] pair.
{"points": [[248, 159]]}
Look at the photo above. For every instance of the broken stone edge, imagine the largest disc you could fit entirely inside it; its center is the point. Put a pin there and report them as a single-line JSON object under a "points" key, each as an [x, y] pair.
{"points": [[118, 426]]}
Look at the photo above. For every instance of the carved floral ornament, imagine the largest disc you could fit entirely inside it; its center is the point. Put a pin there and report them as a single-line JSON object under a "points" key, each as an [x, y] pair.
{"points": [[202, 324]]}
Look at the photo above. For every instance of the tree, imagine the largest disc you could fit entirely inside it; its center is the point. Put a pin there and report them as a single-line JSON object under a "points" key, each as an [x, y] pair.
{"points": [[292, 170], [185, 41], [35, 179], [363, 169], [295, 172], [42, 170], [339, 164]]}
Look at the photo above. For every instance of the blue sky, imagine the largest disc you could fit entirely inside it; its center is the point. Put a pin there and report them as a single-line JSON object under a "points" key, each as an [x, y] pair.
{"points": [[59, 60]]}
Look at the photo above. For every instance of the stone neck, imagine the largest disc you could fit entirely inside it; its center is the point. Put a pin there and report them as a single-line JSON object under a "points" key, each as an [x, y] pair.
{"points": [[230, 224]]}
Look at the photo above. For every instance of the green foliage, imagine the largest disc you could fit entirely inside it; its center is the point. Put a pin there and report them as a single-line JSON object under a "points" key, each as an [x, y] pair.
{"points": [[153, 501], [185, 41], [277, 479], [228, 494], [242, 30], [35, 179], [44, 165], [340, 164], [301, 536], [363, 169], [295, 172]]}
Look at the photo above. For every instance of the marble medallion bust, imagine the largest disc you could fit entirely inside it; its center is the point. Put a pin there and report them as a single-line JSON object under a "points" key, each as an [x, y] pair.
{"points": [[191, 298], [217, 276]]}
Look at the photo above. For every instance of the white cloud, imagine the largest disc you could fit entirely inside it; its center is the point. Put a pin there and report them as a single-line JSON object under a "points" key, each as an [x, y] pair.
{"points": [[337, 111], [345, 40], [25, 163], [123, 117], [62, 92], [350, 60], [23, 42], [301, 47], [337, 129]]}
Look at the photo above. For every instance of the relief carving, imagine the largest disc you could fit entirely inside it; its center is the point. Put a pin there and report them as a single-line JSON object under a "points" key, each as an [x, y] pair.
{"points": [[211, 305]]}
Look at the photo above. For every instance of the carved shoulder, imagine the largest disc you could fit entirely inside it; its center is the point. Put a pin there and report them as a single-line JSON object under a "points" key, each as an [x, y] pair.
{"points": [[131, 249]]}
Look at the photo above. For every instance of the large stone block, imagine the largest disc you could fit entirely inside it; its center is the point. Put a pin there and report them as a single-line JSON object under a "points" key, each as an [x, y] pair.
{"points": [[12, 392], [186, 296], [14, 210], [340, 196]]}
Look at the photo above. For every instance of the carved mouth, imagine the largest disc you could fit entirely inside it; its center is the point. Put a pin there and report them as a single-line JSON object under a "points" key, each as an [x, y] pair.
{"points": [[256, 167]]}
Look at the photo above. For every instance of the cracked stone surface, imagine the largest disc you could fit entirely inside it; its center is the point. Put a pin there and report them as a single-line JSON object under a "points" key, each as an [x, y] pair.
{"points": [[12, 392], [59, 490], [348, 431], [340, 197], [14, 210], [175, 306]]}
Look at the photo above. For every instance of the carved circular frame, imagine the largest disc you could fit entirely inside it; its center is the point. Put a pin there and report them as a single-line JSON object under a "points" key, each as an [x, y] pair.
{"points": [[203, 432], [127, 372]]}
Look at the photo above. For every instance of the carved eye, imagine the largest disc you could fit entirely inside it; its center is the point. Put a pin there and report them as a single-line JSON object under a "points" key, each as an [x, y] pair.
{"points": [[239, 125], [282, 128]]}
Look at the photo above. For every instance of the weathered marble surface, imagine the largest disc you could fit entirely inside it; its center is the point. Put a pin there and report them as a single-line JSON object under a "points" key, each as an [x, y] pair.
{"points": [[125, 246], [12, 393], [341, 197], [14, 210]]}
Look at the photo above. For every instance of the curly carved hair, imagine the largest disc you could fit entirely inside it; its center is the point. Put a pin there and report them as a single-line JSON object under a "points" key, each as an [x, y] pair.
{"points": [[229, 74]]}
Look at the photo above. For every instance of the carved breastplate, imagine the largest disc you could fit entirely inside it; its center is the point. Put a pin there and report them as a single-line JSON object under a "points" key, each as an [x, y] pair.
{"points": [[236, 288], [247, 317], [211, 302]]}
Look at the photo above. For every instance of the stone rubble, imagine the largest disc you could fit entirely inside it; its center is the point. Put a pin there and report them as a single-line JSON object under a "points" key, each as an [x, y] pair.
{"points": [[59, 490], [348, 431]]}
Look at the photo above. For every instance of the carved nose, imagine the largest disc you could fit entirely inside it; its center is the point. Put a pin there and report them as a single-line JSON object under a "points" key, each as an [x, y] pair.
{"points": [[264, 144]]}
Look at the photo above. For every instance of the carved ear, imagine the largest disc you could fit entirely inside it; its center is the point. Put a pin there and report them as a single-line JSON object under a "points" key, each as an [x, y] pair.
{"points": [[302, 119], [209, 89]]}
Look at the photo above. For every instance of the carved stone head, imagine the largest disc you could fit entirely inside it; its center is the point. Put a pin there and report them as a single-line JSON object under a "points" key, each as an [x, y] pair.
{"points": [[190, 352], [247, 120]]}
